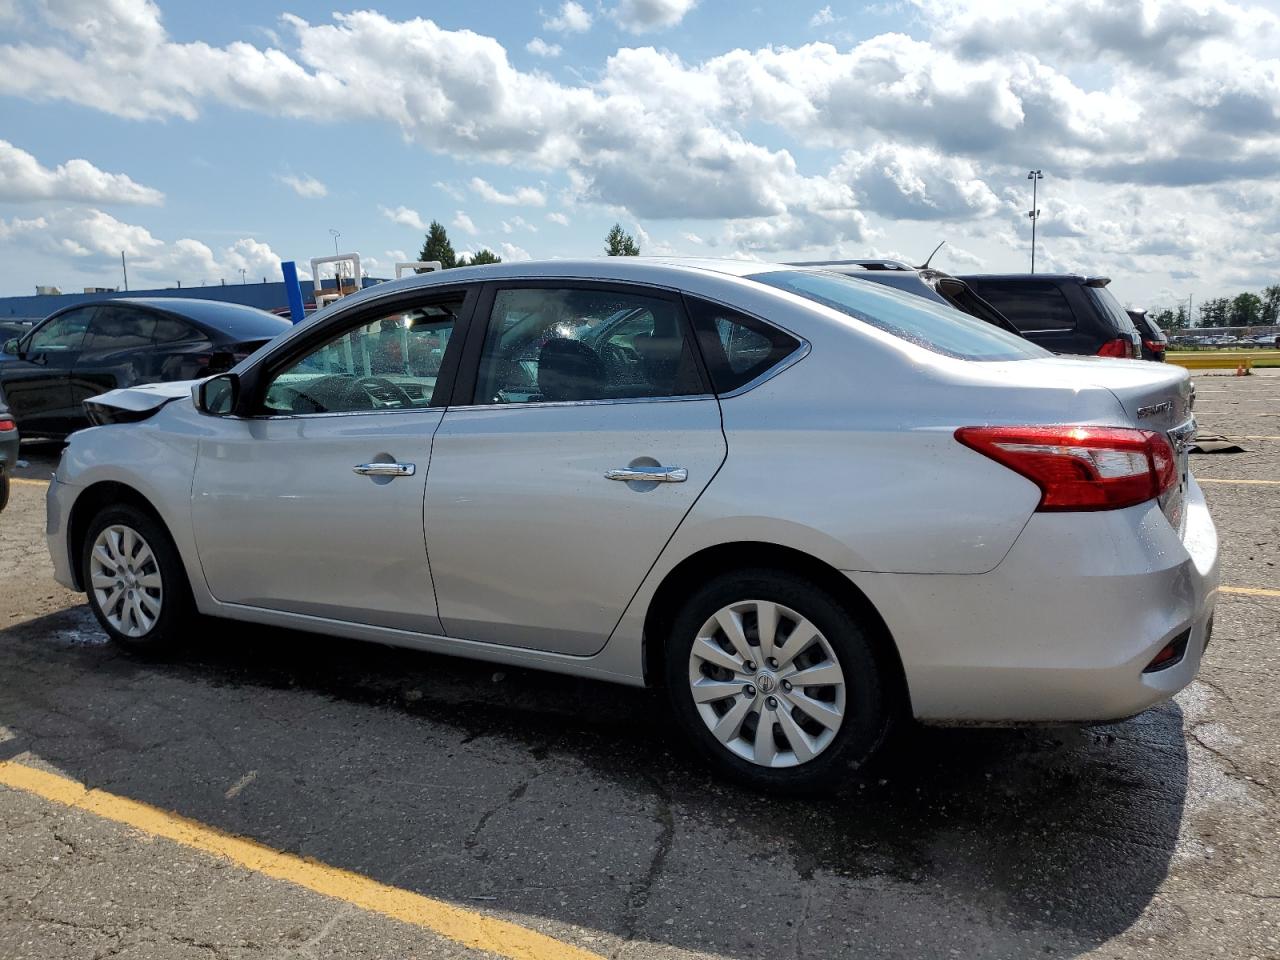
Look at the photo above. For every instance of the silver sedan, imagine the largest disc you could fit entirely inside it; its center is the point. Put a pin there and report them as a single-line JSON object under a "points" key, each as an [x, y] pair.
{"points": [[806, 505]]}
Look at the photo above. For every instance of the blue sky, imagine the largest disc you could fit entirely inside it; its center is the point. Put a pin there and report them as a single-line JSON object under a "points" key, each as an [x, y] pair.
{"points": [[772, 131]]}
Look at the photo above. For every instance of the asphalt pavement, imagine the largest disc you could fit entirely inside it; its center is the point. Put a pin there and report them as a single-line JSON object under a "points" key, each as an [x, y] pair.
{"points": [[573, 810]]}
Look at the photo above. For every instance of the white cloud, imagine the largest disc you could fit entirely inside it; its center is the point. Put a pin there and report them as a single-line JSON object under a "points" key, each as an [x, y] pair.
{"points": [[305, 186], [404, 216], [919, 130], [511, 252], [90, 241], [24, 179], [823, 17], [572, 18], [463, 222], [643, 16], [521, 196], [540, 48]]}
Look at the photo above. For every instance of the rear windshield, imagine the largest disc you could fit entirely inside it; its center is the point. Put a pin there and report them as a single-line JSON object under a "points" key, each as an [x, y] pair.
{"points": [[933, 326], [236, 321], [1110, 307]]}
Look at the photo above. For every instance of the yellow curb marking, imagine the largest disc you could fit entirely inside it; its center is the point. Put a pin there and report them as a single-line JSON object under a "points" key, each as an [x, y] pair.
{"points": [[1250, 591], [43, 483], [475, 930]]}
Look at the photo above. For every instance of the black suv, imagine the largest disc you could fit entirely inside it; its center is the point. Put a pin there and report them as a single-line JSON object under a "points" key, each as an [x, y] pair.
{"points": [[1154, 340], [1061, 312]]}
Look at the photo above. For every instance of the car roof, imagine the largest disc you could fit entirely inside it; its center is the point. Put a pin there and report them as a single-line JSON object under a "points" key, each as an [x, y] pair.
{"points": [[1073, 277], [235, 319]]}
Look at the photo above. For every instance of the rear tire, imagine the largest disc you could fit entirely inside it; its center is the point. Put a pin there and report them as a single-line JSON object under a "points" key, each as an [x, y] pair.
{"points": [[135, 580], [4, 488], [739, 652]]}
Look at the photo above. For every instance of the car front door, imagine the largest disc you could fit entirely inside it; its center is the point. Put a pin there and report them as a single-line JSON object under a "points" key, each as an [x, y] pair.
{"points": [[36, 381], [115, 353], [576, 446], [313, 504]]}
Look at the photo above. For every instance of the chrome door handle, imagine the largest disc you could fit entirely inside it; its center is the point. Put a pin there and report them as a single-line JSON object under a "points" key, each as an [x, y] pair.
{"points": [[385, 469], [651, 474]]}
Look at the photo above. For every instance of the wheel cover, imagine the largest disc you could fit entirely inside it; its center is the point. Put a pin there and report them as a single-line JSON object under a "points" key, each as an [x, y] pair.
{"points": [[125, 579], [767, 683]]}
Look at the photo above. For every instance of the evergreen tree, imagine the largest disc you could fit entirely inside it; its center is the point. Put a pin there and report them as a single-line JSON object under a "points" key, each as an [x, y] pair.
{"points": [[621, 244], [438, 247], [483, 255]]}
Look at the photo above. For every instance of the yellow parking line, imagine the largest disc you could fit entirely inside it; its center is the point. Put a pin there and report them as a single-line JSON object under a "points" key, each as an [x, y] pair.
{"points": [[474, 930], [1225, 480], [1250, 591], [42, 483]]}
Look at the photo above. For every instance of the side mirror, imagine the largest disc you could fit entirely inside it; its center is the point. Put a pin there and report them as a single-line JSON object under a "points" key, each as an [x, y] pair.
{"points": [[11, 346], [217, 396]]}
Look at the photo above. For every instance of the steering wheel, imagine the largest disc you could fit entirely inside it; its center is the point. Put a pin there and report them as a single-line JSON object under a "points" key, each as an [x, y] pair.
{"points": [[384, 391], [619, 356]]}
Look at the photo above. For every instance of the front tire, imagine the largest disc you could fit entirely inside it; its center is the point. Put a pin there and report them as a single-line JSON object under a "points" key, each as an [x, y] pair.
{"points": [[135, 580], [776, 681]]}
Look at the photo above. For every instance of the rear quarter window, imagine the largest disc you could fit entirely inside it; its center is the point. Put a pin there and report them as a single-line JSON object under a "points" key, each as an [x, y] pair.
{"points": [[1030, 306]]}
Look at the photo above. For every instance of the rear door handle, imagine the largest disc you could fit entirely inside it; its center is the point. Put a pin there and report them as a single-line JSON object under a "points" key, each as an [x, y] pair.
{"points": [[650, 474], [385, 469]]}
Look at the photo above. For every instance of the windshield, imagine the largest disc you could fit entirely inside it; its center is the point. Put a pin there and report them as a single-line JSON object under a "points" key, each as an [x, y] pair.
{"points": [[930, 325]]}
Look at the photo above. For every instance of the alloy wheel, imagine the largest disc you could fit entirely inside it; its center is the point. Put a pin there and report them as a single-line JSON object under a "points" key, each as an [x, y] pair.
{"points": [[125, 579], [767, 683]]}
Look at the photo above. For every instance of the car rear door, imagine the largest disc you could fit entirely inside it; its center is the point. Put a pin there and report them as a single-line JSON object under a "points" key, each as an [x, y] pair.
{"points": [[37, 382], [574, 449], [313, 506]]}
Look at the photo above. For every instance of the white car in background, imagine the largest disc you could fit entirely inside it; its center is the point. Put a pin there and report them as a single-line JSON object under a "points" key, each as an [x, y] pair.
{"points": [[805, 504]]}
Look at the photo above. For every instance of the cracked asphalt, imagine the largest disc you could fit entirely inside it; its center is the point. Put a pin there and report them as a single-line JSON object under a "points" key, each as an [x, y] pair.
{"points": [[574, 809]]}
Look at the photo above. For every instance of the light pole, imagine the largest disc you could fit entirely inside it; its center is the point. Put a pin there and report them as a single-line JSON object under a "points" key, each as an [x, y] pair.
{"points": [[335, 234], [1035, 176], [242, 275]]}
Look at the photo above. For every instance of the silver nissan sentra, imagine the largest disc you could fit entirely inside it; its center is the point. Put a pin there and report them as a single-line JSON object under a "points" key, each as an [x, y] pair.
{"points": [[805, 504]]}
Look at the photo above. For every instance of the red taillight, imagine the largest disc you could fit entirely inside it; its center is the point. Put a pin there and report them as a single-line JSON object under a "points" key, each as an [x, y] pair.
{"points": [[1153, 345], [1118, 347], [7, 424], [1081, 468]]}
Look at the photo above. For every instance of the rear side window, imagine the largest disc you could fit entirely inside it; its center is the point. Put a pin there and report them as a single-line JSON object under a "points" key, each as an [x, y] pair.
{"points": [[930, 325], [119, 328], [737, 348], [1031, 306]]}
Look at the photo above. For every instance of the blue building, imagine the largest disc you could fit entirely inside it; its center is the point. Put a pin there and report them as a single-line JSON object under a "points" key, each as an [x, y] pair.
{"points": [[265, 296]]}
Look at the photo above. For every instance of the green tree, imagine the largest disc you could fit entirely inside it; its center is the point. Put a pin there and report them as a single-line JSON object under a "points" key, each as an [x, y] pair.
{"points": [[438, 247], [620, 243], [1213, 313], [483, 255], [1271, 304], [1165, 319], [1245, 310]]}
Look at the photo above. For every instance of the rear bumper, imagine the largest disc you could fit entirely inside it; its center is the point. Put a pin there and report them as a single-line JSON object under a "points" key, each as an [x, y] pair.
{"points": [[1063, 628]]}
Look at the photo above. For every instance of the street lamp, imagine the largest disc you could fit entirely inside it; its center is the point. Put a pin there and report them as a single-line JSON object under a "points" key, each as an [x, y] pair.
{"points": [[1035, 176], [335, 234], [242, 272]]}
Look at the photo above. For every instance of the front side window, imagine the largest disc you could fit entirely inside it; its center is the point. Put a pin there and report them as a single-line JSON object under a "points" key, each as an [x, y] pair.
{"points": [[554, 345], [391, 363], [61, 334], [119, 328], [934, 326]]}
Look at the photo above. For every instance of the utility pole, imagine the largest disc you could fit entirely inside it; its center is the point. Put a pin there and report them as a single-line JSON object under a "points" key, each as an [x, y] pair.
{"points": [[124, 270], [1035, 176]]}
